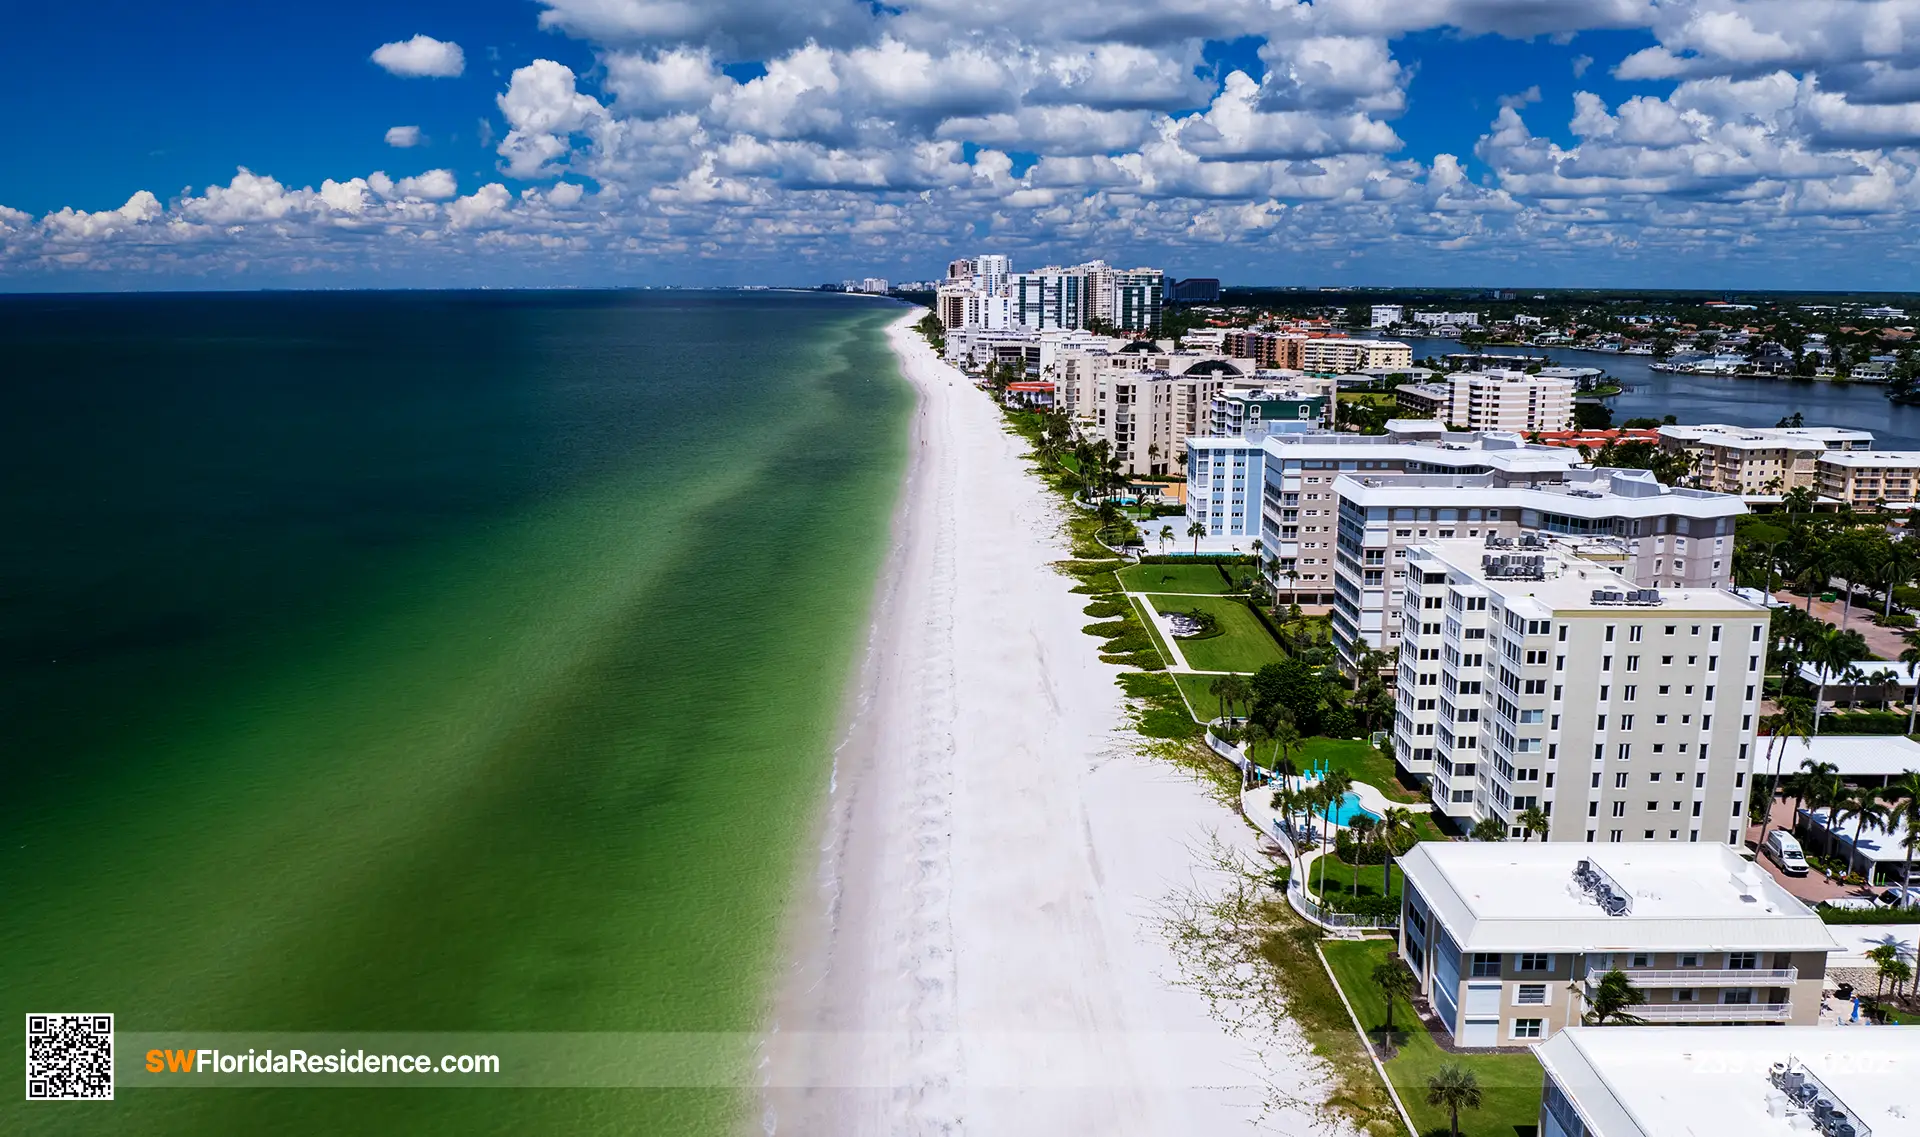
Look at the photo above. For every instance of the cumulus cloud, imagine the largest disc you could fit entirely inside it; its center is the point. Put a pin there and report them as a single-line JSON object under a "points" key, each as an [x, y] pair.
{"points": [[403, 137], [421, 57], [892, 134]]}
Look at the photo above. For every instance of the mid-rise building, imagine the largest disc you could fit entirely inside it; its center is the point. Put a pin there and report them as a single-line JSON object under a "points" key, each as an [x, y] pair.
{"points": [[1531, 675], [1148, 416], [1662, 537], [1347, 355], [1423, 400], [1456, 319], [1749, 1081], [1863, 477], [967, 306], [1224, 476], [1386, 315], [1509, 400], [1300, 407], [1266, 349], [1759, 461], [1509, 942]]}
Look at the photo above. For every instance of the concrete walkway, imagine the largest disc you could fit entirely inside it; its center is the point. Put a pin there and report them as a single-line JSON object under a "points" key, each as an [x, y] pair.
{"points": [[1885, 643]]}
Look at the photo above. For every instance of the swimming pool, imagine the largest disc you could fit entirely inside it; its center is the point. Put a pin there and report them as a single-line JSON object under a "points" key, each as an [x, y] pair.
{"points": [[1349, 808]]}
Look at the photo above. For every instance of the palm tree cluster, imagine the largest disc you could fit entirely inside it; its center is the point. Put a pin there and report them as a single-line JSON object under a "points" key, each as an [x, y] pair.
{"points": [[1862, 557], [1819, 786]]}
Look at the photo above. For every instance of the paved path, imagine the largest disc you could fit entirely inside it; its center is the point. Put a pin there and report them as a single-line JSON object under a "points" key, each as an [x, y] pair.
{"points": [[1885, 643]]}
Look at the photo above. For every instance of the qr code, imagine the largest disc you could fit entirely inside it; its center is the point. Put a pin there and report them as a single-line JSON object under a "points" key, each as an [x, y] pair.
{"points": [[69, 1057]]}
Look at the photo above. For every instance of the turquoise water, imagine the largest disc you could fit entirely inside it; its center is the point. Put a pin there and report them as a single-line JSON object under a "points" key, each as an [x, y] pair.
{"points": [[423, 662], [1349, 808]]}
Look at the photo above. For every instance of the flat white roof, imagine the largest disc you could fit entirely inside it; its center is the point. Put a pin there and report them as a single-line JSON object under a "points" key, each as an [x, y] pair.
{"points": [[1571, 582], [1664, 1081], [1852, 755], [1877, 671], [1882, 846], [1902, 459], [1585, 494], [1522, 896]]}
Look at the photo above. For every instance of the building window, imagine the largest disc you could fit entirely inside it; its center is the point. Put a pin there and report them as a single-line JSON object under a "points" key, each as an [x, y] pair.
{"points": [[1531, 994], [1526, 1028], [1535, 961], [1485, 964]]}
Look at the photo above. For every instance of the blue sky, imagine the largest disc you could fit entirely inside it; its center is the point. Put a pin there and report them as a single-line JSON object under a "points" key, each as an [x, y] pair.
{"points": [[1702, 143]]}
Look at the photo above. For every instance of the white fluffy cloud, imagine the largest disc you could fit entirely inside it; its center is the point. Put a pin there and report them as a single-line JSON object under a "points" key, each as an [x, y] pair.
{"points": [[891, 134], [403, 137], [421, 57]]}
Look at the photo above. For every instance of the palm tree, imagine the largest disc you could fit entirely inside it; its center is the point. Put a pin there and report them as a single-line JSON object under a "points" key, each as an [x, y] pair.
{"points": [[1532, 821], [1488, 829], [1333, 789], [1790, 723], [1911, 655], [1904, 793], [1861, 805], [1196, 531], [1166, 534], [1807, 783], [1395, 983], [1285, 737], [1613, 1000], [1364, 833], [1453, 1088], [1799, 499], [1896, 568], [1832, 652], [1395, 824], [1828, 793]]}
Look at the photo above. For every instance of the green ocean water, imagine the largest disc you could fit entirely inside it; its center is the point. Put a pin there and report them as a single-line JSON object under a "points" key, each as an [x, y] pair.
{"points": [[422, 662]]}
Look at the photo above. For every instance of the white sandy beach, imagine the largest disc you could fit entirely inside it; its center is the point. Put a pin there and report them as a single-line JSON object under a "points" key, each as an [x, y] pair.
{"points": [[985, 958]]}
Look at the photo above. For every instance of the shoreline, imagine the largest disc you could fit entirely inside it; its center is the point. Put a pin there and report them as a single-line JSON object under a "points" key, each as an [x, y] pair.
{"points": [[976, 945]]}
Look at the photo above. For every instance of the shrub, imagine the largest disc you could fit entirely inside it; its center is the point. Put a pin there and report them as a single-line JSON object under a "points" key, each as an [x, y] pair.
{"points": [[1360, 905], [1864, 722], [1893, 915], [1202, 559], [1897, 620], [1343, 844]]}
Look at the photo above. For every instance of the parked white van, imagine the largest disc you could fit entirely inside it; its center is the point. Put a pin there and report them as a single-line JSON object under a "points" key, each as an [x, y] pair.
{"points": [[1784, 850]]}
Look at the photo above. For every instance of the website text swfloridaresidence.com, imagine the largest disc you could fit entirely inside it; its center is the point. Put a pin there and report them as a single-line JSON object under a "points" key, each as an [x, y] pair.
{"points": [[297, 1061]]}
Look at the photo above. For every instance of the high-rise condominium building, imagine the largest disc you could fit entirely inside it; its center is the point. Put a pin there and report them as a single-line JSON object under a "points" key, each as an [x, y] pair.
{"points": [[1534, 676], [1386, 315], [1056, 297], [1662, 537], [1510, 400]]}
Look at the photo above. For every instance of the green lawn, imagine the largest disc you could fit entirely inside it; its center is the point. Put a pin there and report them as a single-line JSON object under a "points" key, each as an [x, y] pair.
{"points": [[1365, 764], [1175, 578], [1339, 876], [1509, 1083], [1205, 706], [1243, 644], [1159, 643]]}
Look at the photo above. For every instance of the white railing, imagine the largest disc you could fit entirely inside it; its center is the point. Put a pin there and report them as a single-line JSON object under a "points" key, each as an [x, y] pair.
{"points": [[1703, 977], [1713, 1012]]}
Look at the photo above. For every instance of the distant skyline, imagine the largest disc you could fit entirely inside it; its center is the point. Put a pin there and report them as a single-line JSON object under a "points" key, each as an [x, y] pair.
{"points": [[1709, 144]]}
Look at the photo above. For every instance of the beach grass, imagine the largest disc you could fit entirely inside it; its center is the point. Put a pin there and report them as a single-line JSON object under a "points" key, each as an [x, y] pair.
{"points": [[1313, 1002], [1509, 1083], [1159, 711], [1175, 578], [1243, 643]]}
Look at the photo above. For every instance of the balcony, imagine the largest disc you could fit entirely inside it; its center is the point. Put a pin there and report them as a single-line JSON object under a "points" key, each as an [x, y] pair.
{"points": [[1713, 1012], [1704, 977]]}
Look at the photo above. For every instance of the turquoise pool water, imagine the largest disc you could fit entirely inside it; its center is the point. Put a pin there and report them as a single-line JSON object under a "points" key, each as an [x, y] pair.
{"points": [[1350, 808]]}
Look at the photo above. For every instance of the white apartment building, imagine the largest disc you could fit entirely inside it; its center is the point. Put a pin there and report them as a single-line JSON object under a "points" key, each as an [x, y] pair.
{"points": [[1748, 1081], [1386, 315], [1509, 400], [1862, 477], [1664, 537], [1149, 416], [1345, 355], [1300, 506], [1224, 476], [1759, 461], [1508, 942], [1533, 676], [967, 306], [1457, 319]]}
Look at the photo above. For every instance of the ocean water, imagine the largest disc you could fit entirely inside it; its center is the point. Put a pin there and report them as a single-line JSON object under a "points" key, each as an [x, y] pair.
{"points": [[423, 662]]}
